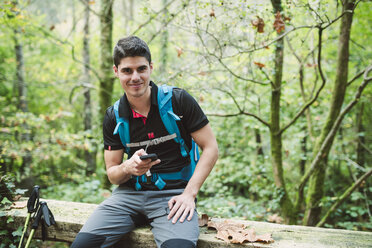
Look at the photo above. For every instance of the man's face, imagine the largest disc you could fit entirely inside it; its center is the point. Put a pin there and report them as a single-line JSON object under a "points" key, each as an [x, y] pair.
{"points": [[134, 75]]}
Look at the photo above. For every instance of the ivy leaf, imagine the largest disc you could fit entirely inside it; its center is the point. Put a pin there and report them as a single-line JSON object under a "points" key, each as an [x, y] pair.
{"points": [[17, 232]]}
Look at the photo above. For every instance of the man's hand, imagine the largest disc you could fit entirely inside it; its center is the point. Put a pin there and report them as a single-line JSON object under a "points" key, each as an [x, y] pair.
{"points": [[137, 167], [182, 207]]}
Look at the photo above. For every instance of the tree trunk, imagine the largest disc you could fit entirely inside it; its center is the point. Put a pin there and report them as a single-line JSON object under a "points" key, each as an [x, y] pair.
{"points": [[259, 150], [22, 96], [164, 42], [275, 134], [360, 138], [90, 156], [106, 83], [316, 184]]}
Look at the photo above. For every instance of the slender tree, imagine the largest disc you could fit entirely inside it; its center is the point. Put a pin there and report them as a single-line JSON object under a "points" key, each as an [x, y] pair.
{"points": [[22, 92], [316, 185], [275, 130], [106, 83], [90, 156]]}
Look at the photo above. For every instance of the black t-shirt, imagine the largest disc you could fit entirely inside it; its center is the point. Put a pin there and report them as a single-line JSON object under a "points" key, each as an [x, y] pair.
{"points": [[192, 119]]}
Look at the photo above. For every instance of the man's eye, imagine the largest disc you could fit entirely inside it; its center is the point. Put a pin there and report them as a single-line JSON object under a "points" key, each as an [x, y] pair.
{"points": [[142, 69], [126, 71]]}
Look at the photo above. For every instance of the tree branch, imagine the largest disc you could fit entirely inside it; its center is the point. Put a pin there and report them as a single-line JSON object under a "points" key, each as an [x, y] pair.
{"points": [[343, 197], [307, 105], [153, 17], [334, 129]]}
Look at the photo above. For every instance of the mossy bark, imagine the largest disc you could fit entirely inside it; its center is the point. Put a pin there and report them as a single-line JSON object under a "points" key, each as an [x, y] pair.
{"points": [[316, 184], [275, 134], [90, 156], [106, 83]]}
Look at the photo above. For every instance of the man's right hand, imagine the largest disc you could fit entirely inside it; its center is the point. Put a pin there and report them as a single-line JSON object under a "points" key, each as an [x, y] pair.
{"points": [[137, 167]]}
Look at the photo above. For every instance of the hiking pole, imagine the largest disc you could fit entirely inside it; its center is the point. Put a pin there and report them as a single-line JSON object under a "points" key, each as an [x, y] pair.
{"points": [[46, 217], [32, 206]]}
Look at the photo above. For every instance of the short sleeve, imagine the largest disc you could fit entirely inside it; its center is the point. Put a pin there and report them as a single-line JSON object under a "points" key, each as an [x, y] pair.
{"points": [[192, 116], [111, 141]]}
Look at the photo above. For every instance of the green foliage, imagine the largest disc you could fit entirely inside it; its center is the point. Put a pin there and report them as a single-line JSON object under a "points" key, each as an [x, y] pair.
{"points": [[7, 193], [214, 51]]}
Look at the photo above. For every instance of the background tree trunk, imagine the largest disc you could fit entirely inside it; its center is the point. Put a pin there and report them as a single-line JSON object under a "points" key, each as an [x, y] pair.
{"points": [[164, 41], [316, 184], [22, 95], [106, 83], [360, 137], [275, 134], [90, 156]]}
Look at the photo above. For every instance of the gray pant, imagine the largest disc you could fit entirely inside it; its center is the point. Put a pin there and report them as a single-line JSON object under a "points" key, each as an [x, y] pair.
{"points": [[128, 208]]}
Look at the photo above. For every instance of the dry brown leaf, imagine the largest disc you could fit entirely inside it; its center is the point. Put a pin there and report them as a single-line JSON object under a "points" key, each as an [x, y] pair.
{"points": [[259, 24], [179, 51], [19, 204], [275, 218], [236, 233], [203, 220], [212, 13], [265, 238], [260, 65], [279, 23]]}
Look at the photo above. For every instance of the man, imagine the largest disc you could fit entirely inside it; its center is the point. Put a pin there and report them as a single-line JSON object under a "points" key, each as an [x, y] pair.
{"points": [[169, 209]]}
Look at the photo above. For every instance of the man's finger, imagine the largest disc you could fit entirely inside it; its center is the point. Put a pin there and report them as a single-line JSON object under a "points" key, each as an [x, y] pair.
{"points": [[178, 214], [170, 203], [191, 214], [184, 215], [174, 210]]}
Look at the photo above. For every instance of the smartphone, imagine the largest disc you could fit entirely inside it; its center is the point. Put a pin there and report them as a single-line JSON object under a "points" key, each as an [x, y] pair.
{"points": [[151, 156]]}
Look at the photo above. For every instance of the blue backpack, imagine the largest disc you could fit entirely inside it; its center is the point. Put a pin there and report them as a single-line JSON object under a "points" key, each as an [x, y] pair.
{"points": [[169, 119]]}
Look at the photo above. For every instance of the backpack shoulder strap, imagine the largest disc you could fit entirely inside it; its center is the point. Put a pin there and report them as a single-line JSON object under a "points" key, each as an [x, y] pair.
{"points": [[122, 127], [168, 117]]}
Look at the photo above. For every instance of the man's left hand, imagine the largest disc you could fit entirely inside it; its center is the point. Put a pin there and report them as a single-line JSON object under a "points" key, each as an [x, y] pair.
{"points": [[181, 206]]}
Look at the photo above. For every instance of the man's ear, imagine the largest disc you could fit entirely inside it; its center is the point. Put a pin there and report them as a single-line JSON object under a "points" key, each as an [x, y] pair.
{"points": [[151, 67], [115, 70]]}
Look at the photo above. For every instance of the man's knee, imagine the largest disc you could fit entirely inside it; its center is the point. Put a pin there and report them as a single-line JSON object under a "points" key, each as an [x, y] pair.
{"points": [[88, 240], [179, 243]]}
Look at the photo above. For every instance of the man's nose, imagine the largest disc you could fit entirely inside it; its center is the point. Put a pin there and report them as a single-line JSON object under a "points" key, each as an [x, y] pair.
{"points": [[135, 76]]}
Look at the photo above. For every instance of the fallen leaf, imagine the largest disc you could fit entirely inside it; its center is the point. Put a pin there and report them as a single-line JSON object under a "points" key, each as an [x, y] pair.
{"points": [[17, 197], [279, 23], [203, 220], [236, 233], [275, 218], [265, 238], [19, 204], [259, 24]]}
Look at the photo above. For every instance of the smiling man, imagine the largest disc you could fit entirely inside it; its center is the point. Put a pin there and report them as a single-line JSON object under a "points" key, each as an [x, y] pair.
{"points": [[165, 122]]}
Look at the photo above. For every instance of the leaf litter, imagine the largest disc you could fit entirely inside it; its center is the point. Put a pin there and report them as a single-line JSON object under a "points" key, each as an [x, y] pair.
{"points": [[234, 232]]}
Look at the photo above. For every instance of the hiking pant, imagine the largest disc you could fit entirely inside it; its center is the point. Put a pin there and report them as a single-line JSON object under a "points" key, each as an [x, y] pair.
{"points": [[127, 208]]}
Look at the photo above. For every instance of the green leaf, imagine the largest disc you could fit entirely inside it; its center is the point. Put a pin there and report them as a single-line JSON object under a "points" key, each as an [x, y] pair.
{"points": [[5, 201], [9, 220], [17, 232]]}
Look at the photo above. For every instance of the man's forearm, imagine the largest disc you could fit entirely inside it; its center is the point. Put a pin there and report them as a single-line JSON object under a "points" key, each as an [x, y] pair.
{"points": [[202, 170], [118, 174]]}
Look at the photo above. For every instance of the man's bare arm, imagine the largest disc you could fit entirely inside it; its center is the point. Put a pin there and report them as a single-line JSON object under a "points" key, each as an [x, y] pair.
{"points": [[119, 172], [183, 205]]}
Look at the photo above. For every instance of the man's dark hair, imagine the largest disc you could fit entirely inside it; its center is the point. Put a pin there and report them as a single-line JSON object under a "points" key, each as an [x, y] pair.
{"points": [[131, 46]]}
